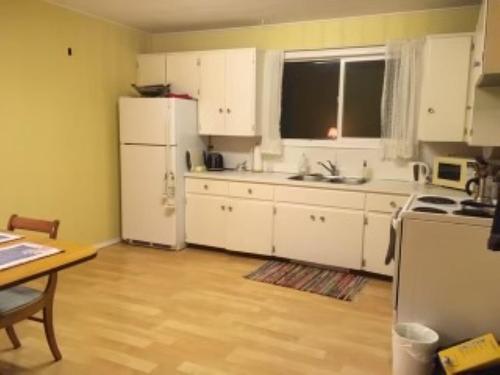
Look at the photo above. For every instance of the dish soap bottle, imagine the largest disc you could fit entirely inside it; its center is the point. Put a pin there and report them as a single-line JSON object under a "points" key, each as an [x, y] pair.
{"points": [[366, 172], [304, 166]]}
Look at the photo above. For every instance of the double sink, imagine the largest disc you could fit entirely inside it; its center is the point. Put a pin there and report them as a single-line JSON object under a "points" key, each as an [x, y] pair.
{"points": [[318, 177]]}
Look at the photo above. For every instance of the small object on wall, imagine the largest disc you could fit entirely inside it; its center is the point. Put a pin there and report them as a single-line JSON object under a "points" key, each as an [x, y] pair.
{"points": [[70, 51]]}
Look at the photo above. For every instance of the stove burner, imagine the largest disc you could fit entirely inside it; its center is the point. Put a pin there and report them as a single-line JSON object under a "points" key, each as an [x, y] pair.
{"points": [[472, 203], [474, 213], [436, 200], [431, 210]]}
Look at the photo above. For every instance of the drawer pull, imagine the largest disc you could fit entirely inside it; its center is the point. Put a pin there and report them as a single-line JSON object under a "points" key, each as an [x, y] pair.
{"points": [[313, 218], [250, 191], [205, 187], [322, 218], [393, 204], [223, 208], [230, 209], [221, 110]]}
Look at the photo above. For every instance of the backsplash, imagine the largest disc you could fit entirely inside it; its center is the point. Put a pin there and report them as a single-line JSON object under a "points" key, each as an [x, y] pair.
{"points": [[348, 160]]}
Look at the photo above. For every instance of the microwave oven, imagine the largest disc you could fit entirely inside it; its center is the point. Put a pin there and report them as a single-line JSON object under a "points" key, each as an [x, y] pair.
{"points": [[453, 172]]}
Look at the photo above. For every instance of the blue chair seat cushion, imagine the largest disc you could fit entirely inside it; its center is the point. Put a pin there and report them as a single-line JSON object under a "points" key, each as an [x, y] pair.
{"points": [[15, 297]]}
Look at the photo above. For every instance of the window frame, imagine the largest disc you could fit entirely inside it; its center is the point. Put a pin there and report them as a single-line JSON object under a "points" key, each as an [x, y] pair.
{"points": [[343, 55]]}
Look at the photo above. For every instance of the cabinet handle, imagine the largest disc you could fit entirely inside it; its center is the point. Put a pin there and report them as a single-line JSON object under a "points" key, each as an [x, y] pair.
{"points": [[431, 110], [250, 191], [221, 110], [228, 110], [322, 218], [230, 209], [223, 208], [393, 204], [313, 218], [205, 187]]}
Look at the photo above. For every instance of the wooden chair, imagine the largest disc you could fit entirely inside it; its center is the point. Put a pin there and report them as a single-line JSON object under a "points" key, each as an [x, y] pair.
{"points": [[20, 302]]}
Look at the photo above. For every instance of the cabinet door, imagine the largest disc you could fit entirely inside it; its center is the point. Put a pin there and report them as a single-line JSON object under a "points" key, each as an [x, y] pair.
{"points": [[211, 104], [240, 91], [250, 226], [205, 220], [320, 235], [151, 69], [183, 73], [443, 97], [376, 240]]}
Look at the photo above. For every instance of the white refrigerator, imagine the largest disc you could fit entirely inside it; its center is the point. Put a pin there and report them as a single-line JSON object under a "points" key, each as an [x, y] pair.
{"points": [[155, 134]]}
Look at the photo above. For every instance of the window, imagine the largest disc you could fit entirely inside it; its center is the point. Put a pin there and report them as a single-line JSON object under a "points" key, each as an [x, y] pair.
{"points": [[332, 95]]}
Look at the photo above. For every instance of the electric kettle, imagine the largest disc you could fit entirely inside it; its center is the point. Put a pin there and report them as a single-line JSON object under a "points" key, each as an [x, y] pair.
{"points": [[421, 172]]}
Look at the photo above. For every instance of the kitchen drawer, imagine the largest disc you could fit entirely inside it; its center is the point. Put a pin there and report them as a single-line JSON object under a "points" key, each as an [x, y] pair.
{"points": [[320, 197], [384, 202], [251, 191], [204, 186]]}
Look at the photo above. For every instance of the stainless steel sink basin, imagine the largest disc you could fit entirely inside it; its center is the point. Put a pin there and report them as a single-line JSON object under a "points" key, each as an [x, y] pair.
{"points": [[308, 177], [347, 180]]}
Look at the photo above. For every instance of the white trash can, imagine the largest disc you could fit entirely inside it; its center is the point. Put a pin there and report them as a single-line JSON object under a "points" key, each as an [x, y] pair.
{"points": [[413, 348]]}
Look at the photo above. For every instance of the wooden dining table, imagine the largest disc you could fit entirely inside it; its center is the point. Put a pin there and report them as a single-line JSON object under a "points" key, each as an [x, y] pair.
{"points": [[72, 254]]}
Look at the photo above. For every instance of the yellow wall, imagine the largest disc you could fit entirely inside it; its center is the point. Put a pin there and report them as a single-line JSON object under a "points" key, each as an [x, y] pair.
{"points": [[332, 33], [58, 116]]}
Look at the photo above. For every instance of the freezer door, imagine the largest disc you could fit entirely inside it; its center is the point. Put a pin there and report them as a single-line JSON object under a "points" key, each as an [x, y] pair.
{"points": [[145, 215], [144, 121]]}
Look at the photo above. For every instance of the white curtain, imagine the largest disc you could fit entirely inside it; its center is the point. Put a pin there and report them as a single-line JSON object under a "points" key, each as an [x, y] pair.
{"points": [[272, 77], [400, 99]]}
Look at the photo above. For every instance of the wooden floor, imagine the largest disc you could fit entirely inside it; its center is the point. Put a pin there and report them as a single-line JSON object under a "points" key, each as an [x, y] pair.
{"points": [[147, 311]]}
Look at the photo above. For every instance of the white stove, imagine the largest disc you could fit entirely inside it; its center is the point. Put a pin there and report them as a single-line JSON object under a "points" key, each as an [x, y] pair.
{"points": [[446, 277], [458, 209]]}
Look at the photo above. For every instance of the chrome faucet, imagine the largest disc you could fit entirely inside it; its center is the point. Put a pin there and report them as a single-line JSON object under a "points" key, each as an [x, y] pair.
{"points": [[242, 167], [331, 168]]}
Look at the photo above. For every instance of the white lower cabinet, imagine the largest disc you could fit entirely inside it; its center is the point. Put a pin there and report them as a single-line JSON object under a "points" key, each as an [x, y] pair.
{"points": [[249, 226], [205, 220], [328, 236], [325, 226], [229, 223], [376, 241]]}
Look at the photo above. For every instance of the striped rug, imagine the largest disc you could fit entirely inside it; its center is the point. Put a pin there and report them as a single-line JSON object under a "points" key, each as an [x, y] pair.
{"points": [[327, 282]]}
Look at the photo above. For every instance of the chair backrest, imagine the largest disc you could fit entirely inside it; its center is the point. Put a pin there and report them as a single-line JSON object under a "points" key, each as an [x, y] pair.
{"points": [[34, 225]]}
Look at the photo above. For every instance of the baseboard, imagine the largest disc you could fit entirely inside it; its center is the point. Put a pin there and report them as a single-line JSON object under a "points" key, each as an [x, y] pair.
{"points": [[107, 243]]}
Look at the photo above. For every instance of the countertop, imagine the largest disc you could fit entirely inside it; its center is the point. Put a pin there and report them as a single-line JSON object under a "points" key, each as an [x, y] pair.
{"points": [[372, 186]]}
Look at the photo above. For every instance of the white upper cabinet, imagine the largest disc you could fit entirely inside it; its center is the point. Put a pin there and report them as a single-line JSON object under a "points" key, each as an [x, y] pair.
{"points": [[444, 90], [227, 100], [483, 117], [212, 99], [151, 69], [183, 73], [487, 58], [240, 91]]}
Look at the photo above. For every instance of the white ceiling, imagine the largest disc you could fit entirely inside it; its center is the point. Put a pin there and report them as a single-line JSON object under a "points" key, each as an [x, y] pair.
{"points": [[182, 15]]}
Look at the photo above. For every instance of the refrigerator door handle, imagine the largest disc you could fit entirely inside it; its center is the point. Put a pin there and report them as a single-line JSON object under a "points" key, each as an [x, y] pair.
{"points": [[169, 193]]}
